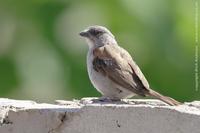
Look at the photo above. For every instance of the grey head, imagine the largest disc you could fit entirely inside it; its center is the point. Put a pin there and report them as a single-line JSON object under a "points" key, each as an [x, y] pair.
{"points": [[98, 36]]}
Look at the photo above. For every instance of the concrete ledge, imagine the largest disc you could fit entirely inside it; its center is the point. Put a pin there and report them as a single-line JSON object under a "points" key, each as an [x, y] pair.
{"points": [[87, 116]]}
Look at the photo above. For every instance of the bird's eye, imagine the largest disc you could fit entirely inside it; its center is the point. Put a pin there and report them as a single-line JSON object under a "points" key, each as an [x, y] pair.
{"points": [[95, 32]]}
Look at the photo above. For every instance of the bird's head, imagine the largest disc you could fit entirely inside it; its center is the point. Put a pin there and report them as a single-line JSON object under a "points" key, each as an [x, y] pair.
{"points": [[98, 36]]}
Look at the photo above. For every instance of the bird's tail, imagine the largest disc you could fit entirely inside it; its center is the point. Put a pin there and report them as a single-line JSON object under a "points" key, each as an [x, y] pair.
{"points": [[165, 99]]}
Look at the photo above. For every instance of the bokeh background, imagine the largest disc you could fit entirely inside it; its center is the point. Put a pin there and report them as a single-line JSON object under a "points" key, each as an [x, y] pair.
{"points": [[43, 58]]}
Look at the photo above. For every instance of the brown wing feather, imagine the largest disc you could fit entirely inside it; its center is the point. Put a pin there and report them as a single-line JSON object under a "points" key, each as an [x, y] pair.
{"points": [[113, 62], [118, 65]]}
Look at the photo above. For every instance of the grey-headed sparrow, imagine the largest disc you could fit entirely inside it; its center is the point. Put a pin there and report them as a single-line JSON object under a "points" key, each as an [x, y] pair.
{"points": [[112, 70]]}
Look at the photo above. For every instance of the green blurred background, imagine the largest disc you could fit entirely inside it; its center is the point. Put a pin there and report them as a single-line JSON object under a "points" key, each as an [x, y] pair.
{"points": [[43, 58]]}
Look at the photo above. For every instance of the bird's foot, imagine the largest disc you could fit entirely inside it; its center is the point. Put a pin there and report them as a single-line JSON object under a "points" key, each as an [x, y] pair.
{"points": [[106, 99]]}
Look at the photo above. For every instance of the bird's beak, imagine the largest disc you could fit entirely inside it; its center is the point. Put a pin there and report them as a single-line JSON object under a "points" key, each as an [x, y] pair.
{"points": [[84, 34]]}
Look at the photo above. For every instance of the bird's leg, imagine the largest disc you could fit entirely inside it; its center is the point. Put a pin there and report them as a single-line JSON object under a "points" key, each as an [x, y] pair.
{"points": [[107, 99]]}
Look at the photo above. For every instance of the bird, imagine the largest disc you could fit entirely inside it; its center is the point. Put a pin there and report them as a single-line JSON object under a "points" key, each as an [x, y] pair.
{"points": [[112, 70]]}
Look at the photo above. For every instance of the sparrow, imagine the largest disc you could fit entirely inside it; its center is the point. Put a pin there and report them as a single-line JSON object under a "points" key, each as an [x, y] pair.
{"points": [[112, 70]]}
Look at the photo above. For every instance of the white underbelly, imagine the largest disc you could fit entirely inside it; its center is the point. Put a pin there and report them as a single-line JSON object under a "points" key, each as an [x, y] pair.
{"points": [[103, 84]]}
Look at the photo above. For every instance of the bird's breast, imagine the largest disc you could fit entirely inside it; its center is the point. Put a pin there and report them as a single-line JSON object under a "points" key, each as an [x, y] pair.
{"points": [[99, 81], [102, 83]]}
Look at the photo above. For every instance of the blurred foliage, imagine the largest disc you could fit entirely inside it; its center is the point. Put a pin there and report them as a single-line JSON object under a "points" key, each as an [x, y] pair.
{"points": [[42, 57]]}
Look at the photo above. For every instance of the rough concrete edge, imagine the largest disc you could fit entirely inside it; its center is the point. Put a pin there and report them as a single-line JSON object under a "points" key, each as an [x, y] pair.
{"points": [[76, 105]]}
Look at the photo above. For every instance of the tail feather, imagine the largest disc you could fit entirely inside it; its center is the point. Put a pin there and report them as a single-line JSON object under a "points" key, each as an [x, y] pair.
{"points": [[165, 99]]}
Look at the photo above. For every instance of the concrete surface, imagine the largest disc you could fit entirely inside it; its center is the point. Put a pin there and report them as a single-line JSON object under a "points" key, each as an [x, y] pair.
{"points": [[92, 116]]}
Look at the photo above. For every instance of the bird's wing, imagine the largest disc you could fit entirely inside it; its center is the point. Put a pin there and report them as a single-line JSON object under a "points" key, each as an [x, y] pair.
{"points": [[116, 63]]}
